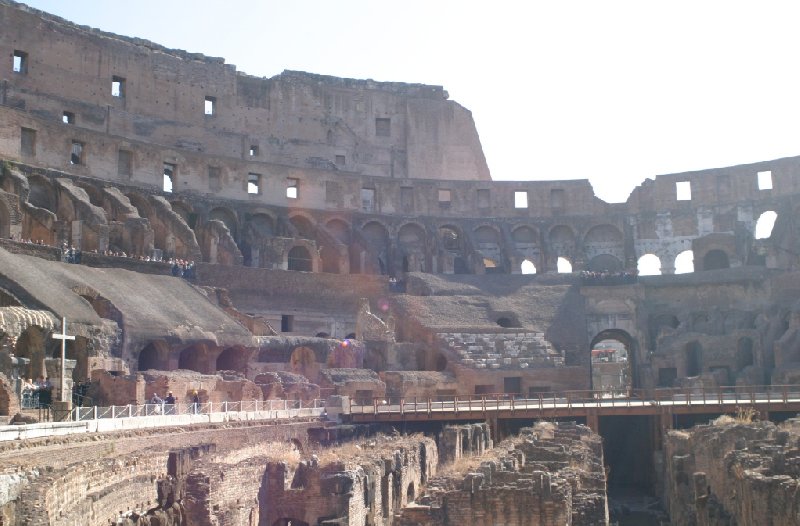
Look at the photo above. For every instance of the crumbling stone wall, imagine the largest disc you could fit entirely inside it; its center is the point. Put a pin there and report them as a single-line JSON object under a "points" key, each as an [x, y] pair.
{"points": [[88, 480], [732, 472], [551, 474]]}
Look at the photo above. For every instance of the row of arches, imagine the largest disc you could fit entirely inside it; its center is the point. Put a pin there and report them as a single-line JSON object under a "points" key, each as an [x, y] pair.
{"points": [[337, 245]]}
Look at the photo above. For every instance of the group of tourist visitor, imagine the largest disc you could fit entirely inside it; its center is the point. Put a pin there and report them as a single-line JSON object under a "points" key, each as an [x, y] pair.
{"points": [[606, 277], [166, 405], [37, 394], [182, 268], [28, 241]]}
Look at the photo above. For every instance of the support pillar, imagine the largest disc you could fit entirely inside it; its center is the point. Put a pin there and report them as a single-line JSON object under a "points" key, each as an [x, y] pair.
{"points": [[593, 420]]}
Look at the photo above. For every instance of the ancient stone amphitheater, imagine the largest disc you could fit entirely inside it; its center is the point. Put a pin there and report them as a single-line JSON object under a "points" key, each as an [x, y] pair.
{"points": [[305, 237]]}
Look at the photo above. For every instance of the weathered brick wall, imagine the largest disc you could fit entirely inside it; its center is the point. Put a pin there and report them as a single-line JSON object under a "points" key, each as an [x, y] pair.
{"points": [[90, 481], [550, 475], [733, 473]]}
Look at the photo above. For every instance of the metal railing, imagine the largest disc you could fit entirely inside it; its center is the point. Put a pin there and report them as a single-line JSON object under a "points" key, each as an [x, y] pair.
{"points": [[663, 397], [145, 410]]}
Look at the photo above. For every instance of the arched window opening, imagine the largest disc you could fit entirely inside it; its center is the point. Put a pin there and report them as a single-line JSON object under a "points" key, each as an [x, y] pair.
{"points": [[649, 265], [563, 266], [528, 267], [192, 358], [694, 359], [149, 359], [684, 262], [233, 359], [410, 493], [715, 260], [611, 355], [300, 259], [765, 224]]}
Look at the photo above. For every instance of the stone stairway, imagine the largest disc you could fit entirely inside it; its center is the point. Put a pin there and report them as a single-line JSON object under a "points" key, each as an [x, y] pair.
{"points": [[520, 350]]}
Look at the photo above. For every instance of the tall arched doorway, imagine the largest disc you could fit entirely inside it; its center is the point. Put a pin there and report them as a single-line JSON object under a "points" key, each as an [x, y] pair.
{"points": [[612, 356]]}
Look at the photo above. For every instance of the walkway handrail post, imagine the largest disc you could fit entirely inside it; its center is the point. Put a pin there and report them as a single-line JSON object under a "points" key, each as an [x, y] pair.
{"points": [[704, 395], [429, 406], [483, 403], [455, 404], [94, 413], [113, 412]]}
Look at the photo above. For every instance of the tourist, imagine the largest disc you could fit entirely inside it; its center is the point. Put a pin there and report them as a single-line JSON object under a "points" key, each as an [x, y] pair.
{"points": [[195, 402], [169, 408], [158, 404]]}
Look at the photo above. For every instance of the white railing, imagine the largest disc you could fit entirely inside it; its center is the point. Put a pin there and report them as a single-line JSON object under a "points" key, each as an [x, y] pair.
{"points": [[205, 408]]}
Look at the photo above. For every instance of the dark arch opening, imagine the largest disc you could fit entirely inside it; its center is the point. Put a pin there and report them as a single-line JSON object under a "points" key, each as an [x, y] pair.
{"points": [[613, 352], [233, 359], [694, 359], [191, 358], [410, 493], [715, 259], [351, 336], [148, 358], [299, 259], [441, 362]]}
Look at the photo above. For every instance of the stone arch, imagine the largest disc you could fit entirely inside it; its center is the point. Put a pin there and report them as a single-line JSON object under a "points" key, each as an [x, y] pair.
{"points": [[604, 233], [41, 193], [694, 358], [194, 358], [412, 244], [765, 223], [684, 262], [227, 217], [716, 259], [604, 263], [527, 267], [152, 357], [649, 265], [410, 493], [299, 258], [563, 265], [613, 360], [233, 359], [339, 229], [562, 236], [604, 240], [304, 225]]}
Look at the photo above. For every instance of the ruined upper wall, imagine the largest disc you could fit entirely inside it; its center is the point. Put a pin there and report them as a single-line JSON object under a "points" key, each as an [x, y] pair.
{"points": [[295, 119]]}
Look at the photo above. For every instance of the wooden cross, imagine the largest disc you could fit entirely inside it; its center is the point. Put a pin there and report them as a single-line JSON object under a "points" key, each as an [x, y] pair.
{"points": [[63, 337]]}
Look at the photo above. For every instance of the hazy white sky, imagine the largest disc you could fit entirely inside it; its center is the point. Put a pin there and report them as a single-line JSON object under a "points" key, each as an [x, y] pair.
{"points": [[610, 91]]}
